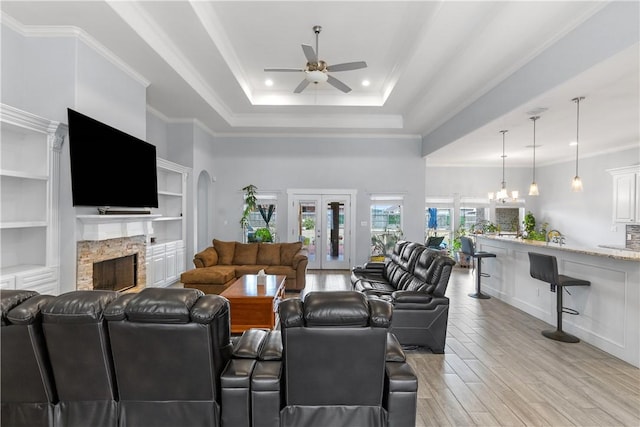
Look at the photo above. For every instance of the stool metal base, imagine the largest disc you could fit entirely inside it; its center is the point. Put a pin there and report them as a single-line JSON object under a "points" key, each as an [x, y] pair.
{"points": [[479, 295], [560, 336]]}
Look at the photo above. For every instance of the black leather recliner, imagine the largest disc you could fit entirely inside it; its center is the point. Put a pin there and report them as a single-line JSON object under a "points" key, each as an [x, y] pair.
{"points": [[414, 280], [169, 348], [339, 366], [27, 390], [80, 354]]}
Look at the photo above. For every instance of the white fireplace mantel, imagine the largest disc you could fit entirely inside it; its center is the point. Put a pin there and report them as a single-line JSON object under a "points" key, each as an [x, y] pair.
{"points": [[103, 227]]}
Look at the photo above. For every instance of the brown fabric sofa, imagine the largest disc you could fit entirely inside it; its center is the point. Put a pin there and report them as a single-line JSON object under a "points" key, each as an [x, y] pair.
{"points": [[218, 266]]}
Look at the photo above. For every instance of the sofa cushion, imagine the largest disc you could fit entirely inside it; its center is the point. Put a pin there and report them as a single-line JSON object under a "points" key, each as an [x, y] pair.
{"points": [[242, 270], [225, 251], [268, 253], [217, 275], [281, 270], [245, 254], [208, 257], [288, 251]]}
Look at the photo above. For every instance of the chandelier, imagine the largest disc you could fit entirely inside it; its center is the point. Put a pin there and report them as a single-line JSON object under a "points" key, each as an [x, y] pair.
{"points": [[503, 195]]}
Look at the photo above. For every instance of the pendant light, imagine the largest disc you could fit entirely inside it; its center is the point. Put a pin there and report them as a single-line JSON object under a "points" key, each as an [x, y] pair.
{"points": [[576, 184], [533, 188], [503, 195]]}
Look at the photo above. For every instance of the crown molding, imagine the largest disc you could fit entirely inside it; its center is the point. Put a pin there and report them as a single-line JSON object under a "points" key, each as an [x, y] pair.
{"points": [[56, 31], [149, 31]]}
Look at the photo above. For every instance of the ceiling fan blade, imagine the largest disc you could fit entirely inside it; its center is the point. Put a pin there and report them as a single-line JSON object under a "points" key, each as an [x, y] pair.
{"points": [[309, 53], [284, 70], [303, 84], [338, 84], [346, 66]]}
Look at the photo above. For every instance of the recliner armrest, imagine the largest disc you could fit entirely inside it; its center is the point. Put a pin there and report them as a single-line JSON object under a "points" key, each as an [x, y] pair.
{"points": [[374, 265], [416, 297], [401, 394], [250, 344]]}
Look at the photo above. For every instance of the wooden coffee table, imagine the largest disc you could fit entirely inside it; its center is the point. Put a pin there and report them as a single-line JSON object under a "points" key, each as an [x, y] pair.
{"points": [[253, 305]]}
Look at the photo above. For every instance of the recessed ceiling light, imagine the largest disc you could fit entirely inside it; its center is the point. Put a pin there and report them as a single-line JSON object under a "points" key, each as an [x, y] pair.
{"points": [[573, 143], [366, 83], [268, 82]]}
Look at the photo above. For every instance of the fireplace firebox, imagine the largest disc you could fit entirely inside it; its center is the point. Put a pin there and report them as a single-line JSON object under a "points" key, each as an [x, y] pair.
{"points": [[116, 274]]}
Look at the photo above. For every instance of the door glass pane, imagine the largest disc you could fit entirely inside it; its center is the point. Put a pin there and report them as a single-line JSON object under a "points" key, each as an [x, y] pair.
{"points": [[386, 228], [335, 231], [308, 220]]}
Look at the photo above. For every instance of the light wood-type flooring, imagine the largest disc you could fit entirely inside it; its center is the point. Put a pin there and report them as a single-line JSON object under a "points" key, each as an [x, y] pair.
{"points": [[499, 370]]}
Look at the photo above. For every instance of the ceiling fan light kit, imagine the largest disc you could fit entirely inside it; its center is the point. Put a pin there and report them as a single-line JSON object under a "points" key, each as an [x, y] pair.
{"points": [[317, 71], [316, 76]]}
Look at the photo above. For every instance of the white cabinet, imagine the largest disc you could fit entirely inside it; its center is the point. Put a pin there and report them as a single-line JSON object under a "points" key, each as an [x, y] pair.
{"points": [[626, 194], [29, 225], [165, 263]]}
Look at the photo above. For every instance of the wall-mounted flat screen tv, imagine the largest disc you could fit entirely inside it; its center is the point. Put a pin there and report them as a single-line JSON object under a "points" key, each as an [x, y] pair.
{"points": [[110, 168]]}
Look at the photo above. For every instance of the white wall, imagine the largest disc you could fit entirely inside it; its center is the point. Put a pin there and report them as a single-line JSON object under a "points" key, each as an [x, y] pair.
{"points": [[276, 164]]}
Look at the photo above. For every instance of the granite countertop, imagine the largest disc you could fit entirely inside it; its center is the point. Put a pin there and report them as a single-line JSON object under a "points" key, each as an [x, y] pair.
{"points": [[609, 251]]}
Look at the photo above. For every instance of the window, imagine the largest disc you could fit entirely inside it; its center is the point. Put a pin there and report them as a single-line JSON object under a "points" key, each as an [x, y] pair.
{"points": [[386, 224], [263, 219]]}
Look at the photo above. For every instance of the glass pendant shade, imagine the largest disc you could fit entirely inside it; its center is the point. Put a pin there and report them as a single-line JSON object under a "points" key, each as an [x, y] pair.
{"points": [[502, 195], [576, 184], [533, 188]]}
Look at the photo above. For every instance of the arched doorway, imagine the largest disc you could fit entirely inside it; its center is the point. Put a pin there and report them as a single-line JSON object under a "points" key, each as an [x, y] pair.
{"points": [[202, 211]]}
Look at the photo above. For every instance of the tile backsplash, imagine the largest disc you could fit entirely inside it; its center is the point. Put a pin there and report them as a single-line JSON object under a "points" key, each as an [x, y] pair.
{"points": [[632, 239]]}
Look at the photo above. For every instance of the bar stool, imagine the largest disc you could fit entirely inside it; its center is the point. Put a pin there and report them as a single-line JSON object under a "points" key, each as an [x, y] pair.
{"points": [[545, 268], [468, 248]]}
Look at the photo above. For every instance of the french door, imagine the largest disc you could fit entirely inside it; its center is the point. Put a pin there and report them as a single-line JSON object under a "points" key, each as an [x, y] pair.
{"points": [[323, 223]]}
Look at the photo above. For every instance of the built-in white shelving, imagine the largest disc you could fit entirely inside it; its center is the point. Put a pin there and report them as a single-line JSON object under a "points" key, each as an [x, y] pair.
{"points": [[166, 253], [29, 225]]}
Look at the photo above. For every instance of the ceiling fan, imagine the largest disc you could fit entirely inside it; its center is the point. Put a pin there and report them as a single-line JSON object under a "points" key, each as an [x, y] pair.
{"points": [[317, 70]]}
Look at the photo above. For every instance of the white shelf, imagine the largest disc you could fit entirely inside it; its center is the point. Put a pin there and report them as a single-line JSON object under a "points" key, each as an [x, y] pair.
{"points": [[168, 218], [22, 174], [23, 224], [169, 193]]}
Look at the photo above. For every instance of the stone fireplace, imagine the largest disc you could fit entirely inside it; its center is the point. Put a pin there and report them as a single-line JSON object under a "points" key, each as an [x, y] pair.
{"points": [[108, 237], [90, 252]]}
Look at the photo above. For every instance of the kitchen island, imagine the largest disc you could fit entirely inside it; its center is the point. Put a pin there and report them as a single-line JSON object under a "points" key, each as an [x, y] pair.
{"points": [[609, 309]]}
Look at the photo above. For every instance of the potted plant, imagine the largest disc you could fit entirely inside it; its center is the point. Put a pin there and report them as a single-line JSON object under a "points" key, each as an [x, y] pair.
{"points": [[456, 246], [250, 202], [530, 231], [263, 235]]}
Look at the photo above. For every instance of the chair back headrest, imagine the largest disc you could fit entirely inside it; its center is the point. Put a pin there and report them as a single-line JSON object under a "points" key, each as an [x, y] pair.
{"points": [[397, 250], [10, 299], [162, 305], [78, 307], [422, 265], [346, 309], [543, 267], [468, 248], [438, 274]]}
